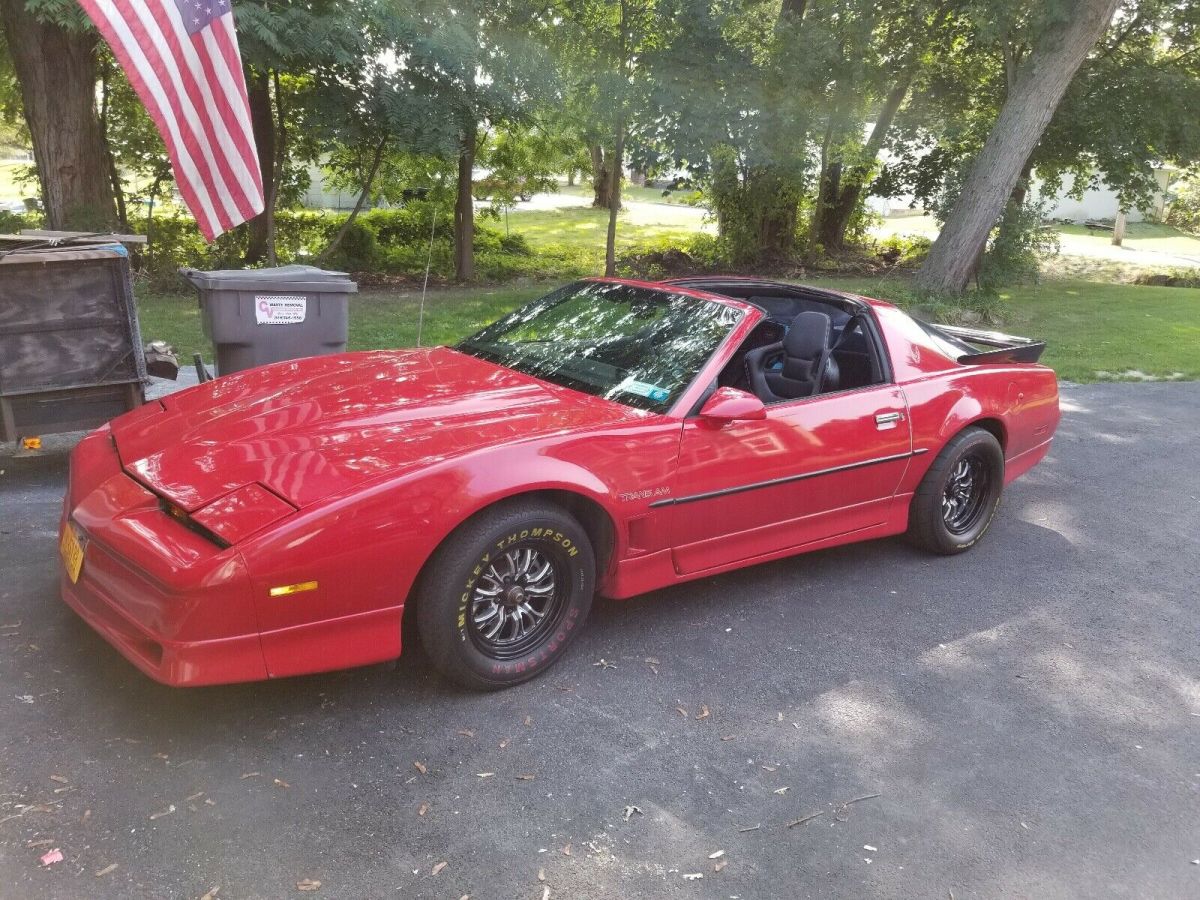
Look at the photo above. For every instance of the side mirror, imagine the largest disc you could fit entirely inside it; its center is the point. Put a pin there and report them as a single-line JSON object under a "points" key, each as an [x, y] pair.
{"points": [[728, 404]]}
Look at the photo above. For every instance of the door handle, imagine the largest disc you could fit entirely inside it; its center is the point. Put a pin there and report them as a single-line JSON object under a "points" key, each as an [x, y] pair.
{"points": [[886, 420]]}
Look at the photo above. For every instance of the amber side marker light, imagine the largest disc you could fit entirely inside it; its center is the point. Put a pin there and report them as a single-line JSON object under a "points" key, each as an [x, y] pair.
{"points": [[285, 589]]}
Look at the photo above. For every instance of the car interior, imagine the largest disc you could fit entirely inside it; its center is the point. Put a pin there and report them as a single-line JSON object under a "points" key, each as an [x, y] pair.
{"points": [[810, 342]]}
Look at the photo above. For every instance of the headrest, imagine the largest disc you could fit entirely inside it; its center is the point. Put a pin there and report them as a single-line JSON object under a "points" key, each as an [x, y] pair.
{"points": [[808, 335]]}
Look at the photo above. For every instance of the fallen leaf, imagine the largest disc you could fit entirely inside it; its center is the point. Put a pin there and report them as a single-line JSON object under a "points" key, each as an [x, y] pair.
{"points": [[162, 812], [50, 857], [681, 711], [437, 868], [485, 774], [629, 811], [112, 867], [704, 713], [504, 743], [251, 775], [566, 851], [528, 720], [61, 779], [422, 768], [718, 866], [717, 854], [308, 884], [279, 782], [422, 809], [541, 874], [211, 895], [525, 777], [466, 733], [728, 737], [87, 814]]}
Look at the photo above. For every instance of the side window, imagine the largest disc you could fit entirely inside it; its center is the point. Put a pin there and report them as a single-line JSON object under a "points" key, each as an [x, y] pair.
{"points": [[734, 374], [764, 367]]}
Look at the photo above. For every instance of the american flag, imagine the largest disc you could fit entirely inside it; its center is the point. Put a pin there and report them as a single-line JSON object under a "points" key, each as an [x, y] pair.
{"points": [[181, 57]]}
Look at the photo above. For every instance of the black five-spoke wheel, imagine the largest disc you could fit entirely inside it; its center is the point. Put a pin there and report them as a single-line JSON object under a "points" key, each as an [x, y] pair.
{"points": [[964, 499], [958, 496]]}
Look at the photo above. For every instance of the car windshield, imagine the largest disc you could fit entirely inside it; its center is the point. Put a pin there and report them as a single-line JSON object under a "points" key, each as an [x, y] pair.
{"points": [[639, 346]]}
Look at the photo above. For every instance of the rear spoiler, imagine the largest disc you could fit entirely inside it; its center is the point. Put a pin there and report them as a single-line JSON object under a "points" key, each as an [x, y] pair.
{"points": [[1008, 348]]}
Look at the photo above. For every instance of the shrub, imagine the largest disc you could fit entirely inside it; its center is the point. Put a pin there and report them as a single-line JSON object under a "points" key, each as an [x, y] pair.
{"points": [[665, 257], [903, 251], [358, 251], [1184, 209]]}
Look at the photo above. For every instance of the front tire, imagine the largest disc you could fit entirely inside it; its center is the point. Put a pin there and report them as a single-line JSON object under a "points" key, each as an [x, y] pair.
{"points": [[505, 595], [958, 497]]}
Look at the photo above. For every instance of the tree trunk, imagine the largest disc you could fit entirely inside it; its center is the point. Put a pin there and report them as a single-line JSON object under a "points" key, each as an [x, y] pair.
{"points": [[464, 209], [792, 9], [601, 178], [1119, 229], [113, 174], [262, 123], [837, 220], [614, 203], [362, 199], [56, 69], [279, 164], [1040, 83]]}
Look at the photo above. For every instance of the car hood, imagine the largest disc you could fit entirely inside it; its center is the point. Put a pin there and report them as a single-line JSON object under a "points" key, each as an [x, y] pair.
{"points": [[311, 428]]}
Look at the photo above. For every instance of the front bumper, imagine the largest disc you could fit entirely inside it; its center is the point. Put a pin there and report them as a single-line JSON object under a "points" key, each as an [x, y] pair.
{"points": [[174, 663], [176, 606]]}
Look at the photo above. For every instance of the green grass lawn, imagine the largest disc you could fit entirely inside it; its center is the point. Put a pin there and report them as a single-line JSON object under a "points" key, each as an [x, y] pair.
{"points": [[1107, 332], [1094, 331], [583, 226], [630, 192]]}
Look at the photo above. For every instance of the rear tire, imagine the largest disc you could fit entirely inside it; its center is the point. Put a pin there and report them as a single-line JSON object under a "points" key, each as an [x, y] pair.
{"points": [[958, 497], [505, 595]]}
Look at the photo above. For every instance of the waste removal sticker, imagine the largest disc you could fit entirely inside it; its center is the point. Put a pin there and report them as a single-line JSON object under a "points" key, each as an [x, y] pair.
{"points": [[280, 309]]}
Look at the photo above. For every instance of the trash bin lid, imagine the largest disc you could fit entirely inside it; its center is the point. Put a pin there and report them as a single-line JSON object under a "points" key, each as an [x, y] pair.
{"points": [[292, 278]]}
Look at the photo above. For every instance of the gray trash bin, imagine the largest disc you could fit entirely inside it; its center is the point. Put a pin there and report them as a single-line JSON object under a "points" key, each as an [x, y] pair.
{"points": [[259, 316]]}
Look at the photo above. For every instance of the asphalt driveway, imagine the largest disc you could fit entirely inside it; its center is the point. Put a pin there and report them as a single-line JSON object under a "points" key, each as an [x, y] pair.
{"points": [[1021, 721]]}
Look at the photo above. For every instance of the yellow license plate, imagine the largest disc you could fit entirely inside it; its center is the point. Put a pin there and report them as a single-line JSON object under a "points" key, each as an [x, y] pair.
{"points": [[72, 552]]}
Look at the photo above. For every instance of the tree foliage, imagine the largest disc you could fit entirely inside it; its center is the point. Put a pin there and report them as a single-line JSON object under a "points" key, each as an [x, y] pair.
{"points": [[777, 111]]}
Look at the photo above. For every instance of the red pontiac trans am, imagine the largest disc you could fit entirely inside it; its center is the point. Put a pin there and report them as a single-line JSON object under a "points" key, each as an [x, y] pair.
{"points": [[612, 437]]}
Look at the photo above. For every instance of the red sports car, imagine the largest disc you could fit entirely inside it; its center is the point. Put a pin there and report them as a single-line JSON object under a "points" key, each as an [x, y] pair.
{"points": [[612, 437]]}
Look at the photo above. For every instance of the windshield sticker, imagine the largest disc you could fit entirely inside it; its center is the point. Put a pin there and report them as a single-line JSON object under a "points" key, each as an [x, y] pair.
{"points": [[649, 391]]}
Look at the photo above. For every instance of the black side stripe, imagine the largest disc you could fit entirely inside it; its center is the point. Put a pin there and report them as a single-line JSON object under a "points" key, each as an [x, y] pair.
{"points": [[725, 492]]}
